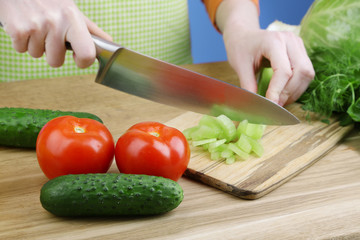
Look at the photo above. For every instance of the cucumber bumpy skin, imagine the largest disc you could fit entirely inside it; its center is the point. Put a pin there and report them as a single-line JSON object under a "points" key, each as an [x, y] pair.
{"points": [[110, 194], [19, 127]]}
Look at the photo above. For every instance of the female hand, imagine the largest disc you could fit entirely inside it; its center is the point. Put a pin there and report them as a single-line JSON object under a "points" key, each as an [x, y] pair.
{"points": [[286, 53], [43, 26], [248, 47]]}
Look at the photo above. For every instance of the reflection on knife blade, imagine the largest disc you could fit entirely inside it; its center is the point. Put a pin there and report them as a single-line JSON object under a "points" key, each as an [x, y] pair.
{"points": [[165, 83]]}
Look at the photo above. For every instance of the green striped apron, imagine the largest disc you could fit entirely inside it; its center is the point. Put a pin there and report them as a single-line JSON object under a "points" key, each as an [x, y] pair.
{"points": [[158, 28]]}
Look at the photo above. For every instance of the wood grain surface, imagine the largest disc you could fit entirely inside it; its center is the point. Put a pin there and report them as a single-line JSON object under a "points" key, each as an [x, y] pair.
{"points": [[288, 151], [322, 202]]}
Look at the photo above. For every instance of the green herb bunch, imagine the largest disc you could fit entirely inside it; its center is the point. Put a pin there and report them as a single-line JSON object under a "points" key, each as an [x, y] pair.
{"points": [[331, 34], [336, 86]]}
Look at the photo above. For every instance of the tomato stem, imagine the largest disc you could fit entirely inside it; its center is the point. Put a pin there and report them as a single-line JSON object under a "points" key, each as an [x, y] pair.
{"points": [[156, 134], [79, 129]]}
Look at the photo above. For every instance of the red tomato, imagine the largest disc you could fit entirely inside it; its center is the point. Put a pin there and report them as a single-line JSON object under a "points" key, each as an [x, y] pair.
{"points": [[70, 145], [152, 148]]}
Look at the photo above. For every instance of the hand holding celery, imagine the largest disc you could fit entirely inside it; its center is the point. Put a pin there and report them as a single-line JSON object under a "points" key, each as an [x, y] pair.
{"points": [[250, 48], [330, 32]]}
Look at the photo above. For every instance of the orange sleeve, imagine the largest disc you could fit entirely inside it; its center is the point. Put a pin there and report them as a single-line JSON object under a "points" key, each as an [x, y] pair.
{"points": [[212, 5]]}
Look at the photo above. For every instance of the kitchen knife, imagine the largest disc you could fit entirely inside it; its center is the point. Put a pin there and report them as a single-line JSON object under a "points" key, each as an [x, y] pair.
{"points": [[149, 78], [134, 73]]}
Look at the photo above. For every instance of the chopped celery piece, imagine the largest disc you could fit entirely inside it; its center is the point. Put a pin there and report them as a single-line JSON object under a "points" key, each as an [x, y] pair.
{"points": [[202, 142], [223, 140], [264, 80], [230, 160], [210, 122], [203, 132], [230, 112], [189, 131], [227, 153], [238, 151], [252, 130], [228, 127], [216, 156], [256, 146], [255, 131], [241, 128], [219, 148], [205, 146], [244, 144], [216, 144]]}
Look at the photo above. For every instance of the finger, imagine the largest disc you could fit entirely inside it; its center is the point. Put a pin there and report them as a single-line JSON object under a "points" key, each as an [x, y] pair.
{"points": [[277, 54], [19, 37], [15, 26], [292, 91], [244, 68], [83, 48], [55, 48], [36, 44], [95, 30], [81, 42], [20, 44], [84, 53], [303, 72]]}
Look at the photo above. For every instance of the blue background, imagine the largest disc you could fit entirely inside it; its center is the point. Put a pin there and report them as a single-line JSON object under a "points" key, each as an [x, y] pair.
{"points": [[207, 43]]}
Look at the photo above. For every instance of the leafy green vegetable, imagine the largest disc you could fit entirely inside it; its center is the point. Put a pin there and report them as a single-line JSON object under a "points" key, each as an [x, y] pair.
{"points": [[354, 111], [331, 34]]}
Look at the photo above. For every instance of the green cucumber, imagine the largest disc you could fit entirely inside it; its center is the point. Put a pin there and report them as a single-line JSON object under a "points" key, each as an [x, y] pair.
{"points": [[19, 127], [110, 194]]}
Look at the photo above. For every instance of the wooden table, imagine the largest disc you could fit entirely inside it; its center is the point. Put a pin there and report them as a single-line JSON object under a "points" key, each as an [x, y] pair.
{"points": [[322, 202]]}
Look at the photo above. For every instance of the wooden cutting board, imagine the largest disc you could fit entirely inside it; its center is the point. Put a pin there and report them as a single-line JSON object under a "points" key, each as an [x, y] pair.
{"points": [[288, 151]]}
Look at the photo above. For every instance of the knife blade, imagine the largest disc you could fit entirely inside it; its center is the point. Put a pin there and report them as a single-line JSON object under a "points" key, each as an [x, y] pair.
{"points": [[143, 76], [152, 79]]}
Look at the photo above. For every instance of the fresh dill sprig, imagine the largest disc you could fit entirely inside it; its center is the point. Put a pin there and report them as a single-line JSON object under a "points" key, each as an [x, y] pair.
{"points": [[336, 86]]}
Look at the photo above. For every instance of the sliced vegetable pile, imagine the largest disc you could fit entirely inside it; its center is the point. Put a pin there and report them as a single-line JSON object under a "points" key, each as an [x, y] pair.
{"points": [[226, 141]]}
